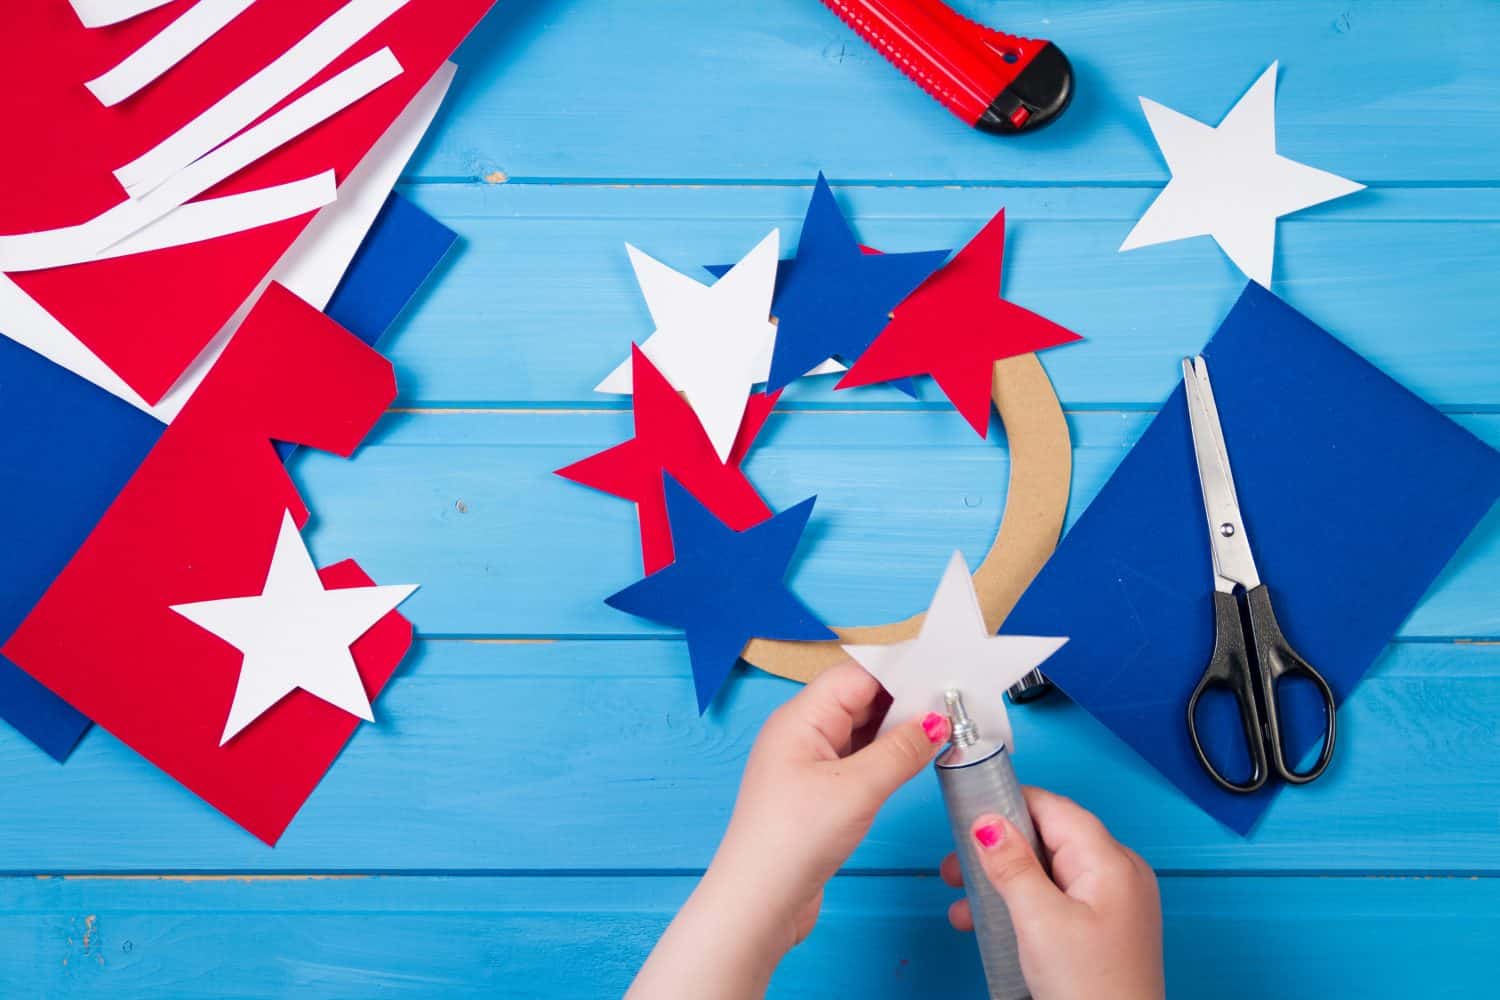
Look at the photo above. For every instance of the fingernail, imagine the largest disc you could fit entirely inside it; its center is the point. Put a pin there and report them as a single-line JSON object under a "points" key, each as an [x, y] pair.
{"points": [[935, 725], [989, 835]]}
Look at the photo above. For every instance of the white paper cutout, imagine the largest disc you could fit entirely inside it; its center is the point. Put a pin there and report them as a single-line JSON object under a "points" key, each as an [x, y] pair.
{"points": [[712, 342], [211, 218], [1228, 181], [272, 84], [295, 634], [82, 242], [955, 650], [166, 49], [315, 263], [98, 13], [311, 267]]}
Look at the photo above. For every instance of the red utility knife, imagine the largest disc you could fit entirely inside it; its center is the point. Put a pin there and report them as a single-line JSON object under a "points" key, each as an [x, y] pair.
{"points": [[996, 82]]}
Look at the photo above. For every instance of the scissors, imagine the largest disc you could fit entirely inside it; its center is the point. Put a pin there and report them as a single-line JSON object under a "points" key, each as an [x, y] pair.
{"points": [[1252, 682]]}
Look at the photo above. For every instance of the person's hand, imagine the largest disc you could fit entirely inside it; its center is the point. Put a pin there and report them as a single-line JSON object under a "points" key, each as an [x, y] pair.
{"points": [[1094, 928], [812, 788], [810, 792]]}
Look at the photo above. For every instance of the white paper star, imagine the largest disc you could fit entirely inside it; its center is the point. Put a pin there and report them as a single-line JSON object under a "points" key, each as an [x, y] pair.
{"points": [[712, 342], [954, 650], [1228, 181], [295, 634]]}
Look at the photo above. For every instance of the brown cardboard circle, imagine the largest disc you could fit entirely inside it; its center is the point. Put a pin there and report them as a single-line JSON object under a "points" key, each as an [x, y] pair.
{"points": [[1036, 500]]}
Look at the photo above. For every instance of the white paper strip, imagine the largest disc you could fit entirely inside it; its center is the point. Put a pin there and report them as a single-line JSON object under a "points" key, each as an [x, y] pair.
{"points": [[75, 244], [98, 13], [313, 266], [257, 95], [234, 213], [166, 49]]}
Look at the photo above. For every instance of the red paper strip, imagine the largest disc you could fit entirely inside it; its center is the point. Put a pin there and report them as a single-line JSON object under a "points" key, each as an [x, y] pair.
{"points": [[669, 438], [955, 326], [198, 521], [148, 316]]}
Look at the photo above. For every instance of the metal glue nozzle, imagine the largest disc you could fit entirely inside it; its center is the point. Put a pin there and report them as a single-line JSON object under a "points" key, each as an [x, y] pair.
{"points": [[965, 733]]}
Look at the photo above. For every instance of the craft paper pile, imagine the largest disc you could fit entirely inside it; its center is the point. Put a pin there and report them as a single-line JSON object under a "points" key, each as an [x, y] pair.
{"points": [[1355, 492], [198, 181], [714, 553]]}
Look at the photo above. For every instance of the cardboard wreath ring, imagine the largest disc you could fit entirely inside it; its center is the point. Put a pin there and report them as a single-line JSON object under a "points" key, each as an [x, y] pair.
{"points": [[1036, 500]]}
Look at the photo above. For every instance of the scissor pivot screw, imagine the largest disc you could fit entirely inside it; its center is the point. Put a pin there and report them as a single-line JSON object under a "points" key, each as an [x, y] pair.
{"points": [[1226, 529]]}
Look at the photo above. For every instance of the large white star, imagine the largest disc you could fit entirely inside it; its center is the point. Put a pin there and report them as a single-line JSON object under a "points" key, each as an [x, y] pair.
{"points": [[712, 342], [955, 651], [1228, 181], [295, 634]]}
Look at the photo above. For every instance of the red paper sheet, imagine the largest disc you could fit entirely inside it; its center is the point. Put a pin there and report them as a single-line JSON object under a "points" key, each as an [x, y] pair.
{"points": [[199, 521], [669, 438], [149, 315]]}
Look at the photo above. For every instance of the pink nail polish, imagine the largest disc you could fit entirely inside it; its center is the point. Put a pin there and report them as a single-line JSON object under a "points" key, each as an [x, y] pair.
{"points": [[935, 725], [989, 835]]}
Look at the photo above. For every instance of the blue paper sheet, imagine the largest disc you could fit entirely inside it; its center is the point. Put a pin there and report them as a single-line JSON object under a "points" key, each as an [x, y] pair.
{"points": [[68, 447], [1355, 495]]}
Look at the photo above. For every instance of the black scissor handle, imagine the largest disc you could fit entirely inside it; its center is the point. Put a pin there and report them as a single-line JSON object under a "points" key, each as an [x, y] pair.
{"points": [[1276, 659], [1229, 668]]}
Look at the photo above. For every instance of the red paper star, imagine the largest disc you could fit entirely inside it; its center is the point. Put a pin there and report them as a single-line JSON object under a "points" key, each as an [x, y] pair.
{"points": [[955, 326], [669, 438]]}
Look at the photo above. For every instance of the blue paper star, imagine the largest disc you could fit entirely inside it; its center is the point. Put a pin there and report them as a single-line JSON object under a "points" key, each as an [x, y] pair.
{"points": [[838, 298], [724, 588]]}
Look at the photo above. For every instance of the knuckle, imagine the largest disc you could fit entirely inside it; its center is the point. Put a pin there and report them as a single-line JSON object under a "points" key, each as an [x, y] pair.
{"points": [[1008, 867]]}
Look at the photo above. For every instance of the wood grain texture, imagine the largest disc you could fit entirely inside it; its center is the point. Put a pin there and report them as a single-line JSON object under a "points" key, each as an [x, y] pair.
{"points": [[538, 302], [679, 90], [514, 757], [525, 816], [467, 504], [582, 937]]}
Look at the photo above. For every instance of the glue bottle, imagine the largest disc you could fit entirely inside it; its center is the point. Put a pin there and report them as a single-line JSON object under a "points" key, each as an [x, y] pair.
{"points": [[976, 777]]}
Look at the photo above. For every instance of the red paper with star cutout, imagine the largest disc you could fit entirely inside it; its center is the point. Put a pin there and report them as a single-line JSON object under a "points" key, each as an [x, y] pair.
{"points": [[149, 315], [198, 521], [955, 326], [669, 438]]}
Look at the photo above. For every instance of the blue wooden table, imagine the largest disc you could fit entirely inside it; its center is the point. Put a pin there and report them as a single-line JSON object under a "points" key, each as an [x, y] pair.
{"points": [[539, 793]]}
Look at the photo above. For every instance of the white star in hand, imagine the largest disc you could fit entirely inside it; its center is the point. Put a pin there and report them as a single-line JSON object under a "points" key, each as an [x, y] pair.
{"points": [[712, 342], [295, 634], [955, 651], [1228, 181]]}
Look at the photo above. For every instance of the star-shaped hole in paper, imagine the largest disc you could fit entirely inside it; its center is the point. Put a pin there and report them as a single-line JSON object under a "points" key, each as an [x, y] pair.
{"points": [[295, 634], [955, 326], [724, 588], [837, 298], [954, 650], [1228, 181], [668, 438], [711, 341]]}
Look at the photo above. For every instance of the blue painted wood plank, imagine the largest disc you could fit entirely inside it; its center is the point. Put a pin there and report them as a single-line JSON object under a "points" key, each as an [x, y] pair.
{"points": [[559, 938], [466, 504], [682, 90], [539, 301], [504, 757]]}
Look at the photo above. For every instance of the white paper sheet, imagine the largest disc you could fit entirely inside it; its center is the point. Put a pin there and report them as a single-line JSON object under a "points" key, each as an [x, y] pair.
{"points": [[294, 634], [166, 49], [954, 650], [82, 242], [1228, 181], [257, 95], [99, 13]]}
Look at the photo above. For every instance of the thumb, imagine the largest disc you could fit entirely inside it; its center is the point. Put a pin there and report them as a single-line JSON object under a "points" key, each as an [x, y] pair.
{"points": [[1013, 868], [898, 755]]}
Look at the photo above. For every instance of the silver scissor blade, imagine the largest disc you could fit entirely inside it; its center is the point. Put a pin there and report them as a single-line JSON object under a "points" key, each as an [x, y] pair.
{"points": [[1233, 562]]}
